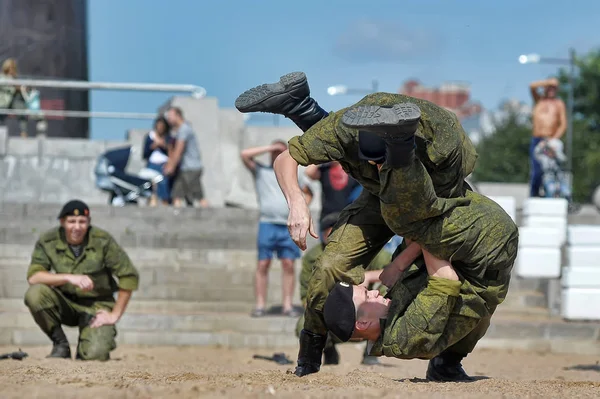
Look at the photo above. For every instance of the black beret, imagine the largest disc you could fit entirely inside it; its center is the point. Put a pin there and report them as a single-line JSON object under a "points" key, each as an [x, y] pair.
{"points": [[370, 147], [74, 208], [339, 311], [330, 220]]}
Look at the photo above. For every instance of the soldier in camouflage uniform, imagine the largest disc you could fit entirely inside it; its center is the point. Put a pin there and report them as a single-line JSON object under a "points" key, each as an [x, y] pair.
{"points": [[411, 156], [383, 258], [79, 293], [425, 312]]}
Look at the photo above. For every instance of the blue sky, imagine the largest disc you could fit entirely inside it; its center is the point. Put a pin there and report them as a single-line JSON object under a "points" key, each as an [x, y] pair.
{"points": [[230, 45]]}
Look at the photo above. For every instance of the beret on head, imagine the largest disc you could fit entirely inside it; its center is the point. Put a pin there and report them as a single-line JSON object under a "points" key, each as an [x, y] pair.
{"points": [[339, 311], [74, 208]]}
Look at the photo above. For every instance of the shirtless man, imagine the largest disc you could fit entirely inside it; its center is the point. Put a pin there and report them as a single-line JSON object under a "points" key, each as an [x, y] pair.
{"points": [[549, 121]]}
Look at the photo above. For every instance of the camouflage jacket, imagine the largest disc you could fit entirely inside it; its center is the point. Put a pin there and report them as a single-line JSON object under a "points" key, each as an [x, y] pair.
{"points": [[101, 259]]}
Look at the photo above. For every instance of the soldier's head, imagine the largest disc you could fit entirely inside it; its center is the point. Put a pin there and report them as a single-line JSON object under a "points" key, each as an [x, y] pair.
{"points": [[371, 148], [352, 312], [551, 88], [327, 226], [75, 220]]}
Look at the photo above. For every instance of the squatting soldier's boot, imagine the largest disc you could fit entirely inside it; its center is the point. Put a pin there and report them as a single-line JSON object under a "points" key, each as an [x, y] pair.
{"points": [[289, 97], [446, 367], [60, 344], [395, 125]]}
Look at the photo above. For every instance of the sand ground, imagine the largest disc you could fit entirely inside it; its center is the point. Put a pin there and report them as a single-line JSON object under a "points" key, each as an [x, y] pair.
{"points": [[192, 372]]}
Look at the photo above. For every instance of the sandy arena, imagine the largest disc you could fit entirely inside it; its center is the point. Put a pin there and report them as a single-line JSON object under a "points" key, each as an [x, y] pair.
{"points": [[185, 372]]}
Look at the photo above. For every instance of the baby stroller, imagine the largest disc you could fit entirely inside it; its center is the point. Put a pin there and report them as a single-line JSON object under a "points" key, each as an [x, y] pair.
{"points": [[123, 188]]}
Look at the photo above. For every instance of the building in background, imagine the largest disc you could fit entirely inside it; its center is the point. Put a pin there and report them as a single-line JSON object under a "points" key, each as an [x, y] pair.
{"points": [[454, 96], [49, 41]]}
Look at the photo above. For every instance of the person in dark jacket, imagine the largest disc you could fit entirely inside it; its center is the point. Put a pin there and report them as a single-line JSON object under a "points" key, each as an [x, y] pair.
{"points": [[156, 152]]}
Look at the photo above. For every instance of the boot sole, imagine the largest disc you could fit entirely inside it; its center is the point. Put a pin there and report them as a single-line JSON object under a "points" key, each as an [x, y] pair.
{"points": [[249, 100], [375, 116]]}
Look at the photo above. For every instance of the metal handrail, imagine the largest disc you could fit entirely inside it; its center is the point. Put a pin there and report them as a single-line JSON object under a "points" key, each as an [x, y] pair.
{"points": [[78, 114], [196, 91]]}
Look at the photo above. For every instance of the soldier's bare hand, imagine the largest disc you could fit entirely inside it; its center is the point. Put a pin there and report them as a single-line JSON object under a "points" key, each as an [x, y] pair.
{"points": [[103, 318], [82, 281], [300, 223], [390, 275]]}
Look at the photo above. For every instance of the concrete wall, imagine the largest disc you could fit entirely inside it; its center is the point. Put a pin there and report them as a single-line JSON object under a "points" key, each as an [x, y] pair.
{"points": [[49, 170]]}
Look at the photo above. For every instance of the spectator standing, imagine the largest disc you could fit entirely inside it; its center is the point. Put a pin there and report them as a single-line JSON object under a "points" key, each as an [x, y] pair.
{"points": [[549, 122], [157, 145], [273, 235], [185, 163], [13, 97]]}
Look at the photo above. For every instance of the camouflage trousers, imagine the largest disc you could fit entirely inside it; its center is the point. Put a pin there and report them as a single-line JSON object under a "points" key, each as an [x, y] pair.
{"points": [[51, 309], [423, 322]]}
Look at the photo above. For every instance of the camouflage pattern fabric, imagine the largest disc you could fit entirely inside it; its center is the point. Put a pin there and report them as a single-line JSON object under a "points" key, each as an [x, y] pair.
{"points": [[381, 260], [431, 315], [101, 259], [427, 202], [51, 309]]}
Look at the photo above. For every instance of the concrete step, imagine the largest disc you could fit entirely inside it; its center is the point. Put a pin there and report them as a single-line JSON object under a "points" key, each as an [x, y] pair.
{"points": [[525, 299], [207, 324], [155, 307]]}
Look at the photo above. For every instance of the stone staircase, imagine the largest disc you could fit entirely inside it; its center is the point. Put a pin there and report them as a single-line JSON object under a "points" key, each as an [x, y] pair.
{"points": [[196, 285]]}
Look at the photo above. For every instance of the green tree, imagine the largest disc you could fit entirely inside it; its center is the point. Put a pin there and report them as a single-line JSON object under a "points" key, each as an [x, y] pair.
{"points": [[586, 123], [503, 155]]}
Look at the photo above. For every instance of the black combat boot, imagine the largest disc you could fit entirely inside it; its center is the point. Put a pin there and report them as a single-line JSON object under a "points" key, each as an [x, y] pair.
{"points": [[289, 97], [310, 353], [396, 125], [60, 344], [446, 367], [331, 355]]}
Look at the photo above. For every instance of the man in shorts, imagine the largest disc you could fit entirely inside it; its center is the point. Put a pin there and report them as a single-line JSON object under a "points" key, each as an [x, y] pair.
{"points": [[273, 234], [185, 163]]}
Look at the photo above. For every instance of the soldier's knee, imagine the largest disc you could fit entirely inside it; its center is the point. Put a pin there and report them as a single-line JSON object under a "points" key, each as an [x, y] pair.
{"points": [[39, 296], [95, 350]]}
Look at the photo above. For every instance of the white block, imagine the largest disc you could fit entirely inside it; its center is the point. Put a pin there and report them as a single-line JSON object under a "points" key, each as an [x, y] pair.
{"points": [[552, 237], [509, 204], [580, 303], [583, 256], [545, 207], [582, 234], [538, 262], [545, 221], [581, 277]]}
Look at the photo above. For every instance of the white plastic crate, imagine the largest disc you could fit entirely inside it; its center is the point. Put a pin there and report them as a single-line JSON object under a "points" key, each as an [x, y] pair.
{"points": [[583, 256], [580, 277], [587, 235], [509, 204], [580, 303], [545, 207], [552, 237], [538, 262], [545, 221]]}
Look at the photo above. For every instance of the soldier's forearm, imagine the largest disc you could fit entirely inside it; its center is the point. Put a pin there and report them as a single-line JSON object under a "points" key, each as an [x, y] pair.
{"points": [[286, 170], [50, 279], [121, 304], [408, 256]]}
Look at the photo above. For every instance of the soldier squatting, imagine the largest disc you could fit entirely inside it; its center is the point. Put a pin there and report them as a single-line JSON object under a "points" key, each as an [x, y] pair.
{"points": [[453, 268]]}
